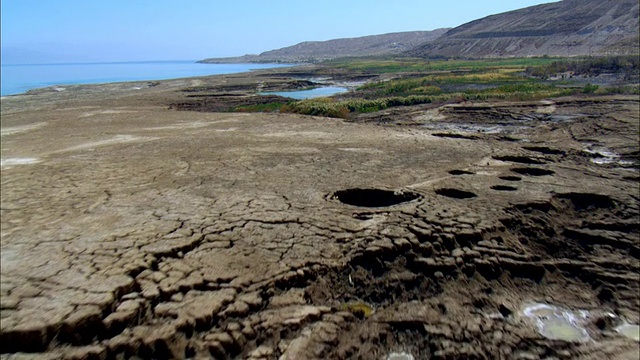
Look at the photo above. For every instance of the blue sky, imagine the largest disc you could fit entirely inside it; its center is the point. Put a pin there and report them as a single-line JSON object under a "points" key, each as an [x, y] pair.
{"points": [[40, 31]]}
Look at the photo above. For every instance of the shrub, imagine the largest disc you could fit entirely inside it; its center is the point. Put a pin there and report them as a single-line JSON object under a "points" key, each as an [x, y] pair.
{"points": [[591, 66], [590, 89]]}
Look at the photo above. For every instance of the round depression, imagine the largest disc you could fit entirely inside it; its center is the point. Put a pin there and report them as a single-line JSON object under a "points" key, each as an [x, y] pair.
{"points": [[374, 197]]}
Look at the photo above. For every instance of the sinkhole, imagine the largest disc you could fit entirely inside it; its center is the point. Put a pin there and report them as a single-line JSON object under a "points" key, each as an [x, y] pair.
{"points": [[583, 201], [461, 172], [455, 193], [544, 150], [373, 197], [504, 188], [531, 171], [556, 323], [519, 159], [455, 136]]}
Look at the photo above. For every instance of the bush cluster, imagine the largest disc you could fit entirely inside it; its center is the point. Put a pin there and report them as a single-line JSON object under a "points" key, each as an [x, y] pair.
{"points": [[344, 108], [456, 81], [594, 66]]}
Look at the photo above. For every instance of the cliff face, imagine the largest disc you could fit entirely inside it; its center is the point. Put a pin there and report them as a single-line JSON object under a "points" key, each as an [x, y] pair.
{"points": [[311, 51], [565, 28]]}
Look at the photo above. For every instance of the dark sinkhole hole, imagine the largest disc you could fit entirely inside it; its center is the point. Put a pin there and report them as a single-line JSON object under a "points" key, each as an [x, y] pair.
{"points": [[504, 188], [455, 136], [583, 201], [373, 197], [510, 178], [455, 193], [519, 159], [532, 171], [461, 172], [544, 150]]}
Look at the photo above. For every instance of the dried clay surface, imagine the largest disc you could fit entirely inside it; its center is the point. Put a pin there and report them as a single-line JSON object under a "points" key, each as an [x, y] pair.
{"points": [[132, 230]]}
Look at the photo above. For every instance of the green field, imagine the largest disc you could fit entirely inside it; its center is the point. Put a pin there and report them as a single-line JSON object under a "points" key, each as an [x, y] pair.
{"points": [[419, 81], [382, 66]]}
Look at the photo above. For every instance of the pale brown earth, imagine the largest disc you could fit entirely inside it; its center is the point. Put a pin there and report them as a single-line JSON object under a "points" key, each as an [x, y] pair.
{"points": [[131, 230]]}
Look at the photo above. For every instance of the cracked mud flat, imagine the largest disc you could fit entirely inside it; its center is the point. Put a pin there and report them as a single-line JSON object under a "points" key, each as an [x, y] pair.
{"points": [[153, 233]]}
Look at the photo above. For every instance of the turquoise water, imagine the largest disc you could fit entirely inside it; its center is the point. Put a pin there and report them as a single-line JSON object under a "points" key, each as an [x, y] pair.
{"points": [[308, 94], [17, 79]]}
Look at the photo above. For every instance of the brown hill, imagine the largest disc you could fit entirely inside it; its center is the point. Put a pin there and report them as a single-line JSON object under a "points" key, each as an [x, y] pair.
{"points": [[314, 51], [565, 28]]}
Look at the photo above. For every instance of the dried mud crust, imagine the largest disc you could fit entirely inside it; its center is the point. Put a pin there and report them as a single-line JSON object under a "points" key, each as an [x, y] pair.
{"points": [[230, 242]]}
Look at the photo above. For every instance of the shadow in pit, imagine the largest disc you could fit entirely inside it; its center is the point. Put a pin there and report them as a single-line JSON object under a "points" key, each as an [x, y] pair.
{"points": [[373, 197], [531, 171], [461, 172], [504, 188], [519, 159], [455, 193]]}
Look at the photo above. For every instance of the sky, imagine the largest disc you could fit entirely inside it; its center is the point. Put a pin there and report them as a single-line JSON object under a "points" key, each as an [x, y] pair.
{"points": [[46, 31]]}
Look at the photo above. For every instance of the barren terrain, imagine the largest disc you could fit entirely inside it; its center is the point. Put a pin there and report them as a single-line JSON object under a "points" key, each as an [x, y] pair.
{"points": [[562, 28], [473, 230]]}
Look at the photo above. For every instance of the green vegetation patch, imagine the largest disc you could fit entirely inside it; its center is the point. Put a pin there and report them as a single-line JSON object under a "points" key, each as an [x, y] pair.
{"points": [[358, 308], [383, 66], [420, 81], [436, 84], [592, 66], [344, 108]]}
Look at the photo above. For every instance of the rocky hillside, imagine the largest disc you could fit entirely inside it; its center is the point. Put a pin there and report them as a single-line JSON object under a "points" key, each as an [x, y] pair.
{"points": [[565, 28], [313, 51]]}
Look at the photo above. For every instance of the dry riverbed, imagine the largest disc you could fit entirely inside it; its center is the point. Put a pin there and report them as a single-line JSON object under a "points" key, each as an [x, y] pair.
{"points": [[483, 231]]}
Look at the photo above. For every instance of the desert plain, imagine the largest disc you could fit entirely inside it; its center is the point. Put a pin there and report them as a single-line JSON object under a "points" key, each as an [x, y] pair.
{"points": [[134, 228]]}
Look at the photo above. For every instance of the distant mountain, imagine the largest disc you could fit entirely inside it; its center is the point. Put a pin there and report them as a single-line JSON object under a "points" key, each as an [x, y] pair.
{"points": [[565, 28], [313, 51]]}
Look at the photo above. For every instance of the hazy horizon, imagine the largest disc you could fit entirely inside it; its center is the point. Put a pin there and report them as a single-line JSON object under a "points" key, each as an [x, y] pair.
{"points": [[67, 31]]}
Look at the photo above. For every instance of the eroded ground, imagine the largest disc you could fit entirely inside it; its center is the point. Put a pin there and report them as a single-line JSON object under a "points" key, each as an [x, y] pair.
{"points": [[461, 231]]}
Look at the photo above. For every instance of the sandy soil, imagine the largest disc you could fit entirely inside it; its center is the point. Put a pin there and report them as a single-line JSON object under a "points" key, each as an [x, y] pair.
{"points": [[130, 229]]}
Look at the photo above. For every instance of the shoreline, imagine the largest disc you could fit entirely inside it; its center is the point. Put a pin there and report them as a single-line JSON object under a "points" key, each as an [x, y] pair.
{"points": [[151, 91], [151, 79]]}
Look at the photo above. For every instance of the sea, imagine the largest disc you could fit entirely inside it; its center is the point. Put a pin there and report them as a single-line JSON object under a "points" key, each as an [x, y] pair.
{"points": [[16, 79]]}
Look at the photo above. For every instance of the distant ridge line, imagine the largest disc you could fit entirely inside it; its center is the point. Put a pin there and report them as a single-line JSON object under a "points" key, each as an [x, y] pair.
{"points": [[315, 51]]}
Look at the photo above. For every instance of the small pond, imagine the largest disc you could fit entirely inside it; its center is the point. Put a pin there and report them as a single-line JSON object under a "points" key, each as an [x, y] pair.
{"points": [[557, 323], [631, 331], [308, 94]]}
